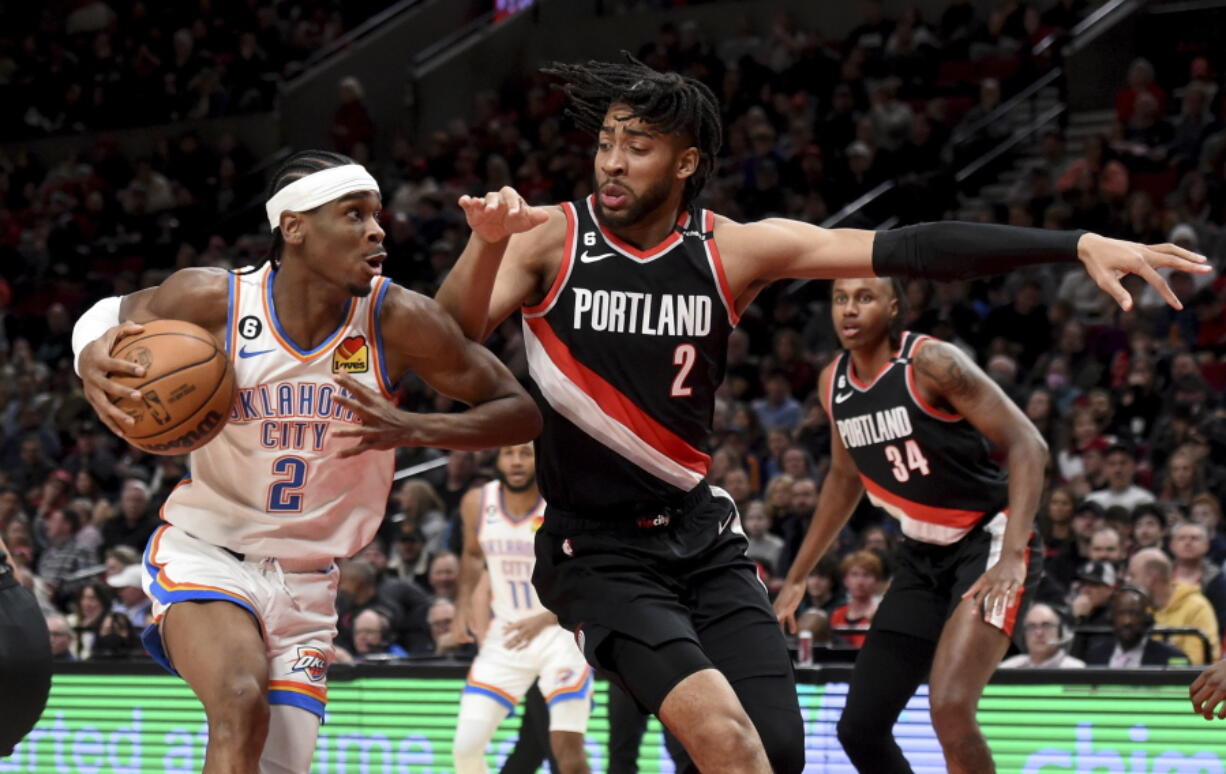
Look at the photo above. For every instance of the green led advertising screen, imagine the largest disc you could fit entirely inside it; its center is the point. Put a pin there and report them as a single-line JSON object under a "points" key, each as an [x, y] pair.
{"points": [[128, 723]]}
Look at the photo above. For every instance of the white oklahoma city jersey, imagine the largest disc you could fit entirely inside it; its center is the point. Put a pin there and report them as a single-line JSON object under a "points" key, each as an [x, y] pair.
{"points": [[270, 484], [508, 545]]}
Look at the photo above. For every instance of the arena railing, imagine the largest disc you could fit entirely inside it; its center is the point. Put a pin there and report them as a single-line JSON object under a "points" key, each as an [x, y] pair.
{"points": [[357, 33]]}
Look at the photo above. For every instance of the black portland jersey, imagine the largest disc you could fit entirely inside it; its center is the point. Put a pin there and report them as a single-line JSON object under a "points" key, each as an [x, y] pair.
{"points": [[929, 469], [626, 352]]}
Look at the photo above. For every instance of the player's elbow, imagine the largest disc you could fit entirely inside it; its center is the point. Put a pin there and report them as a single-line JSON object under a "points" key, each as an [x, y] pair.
{"points": [[1031, 444], [526, 421]]}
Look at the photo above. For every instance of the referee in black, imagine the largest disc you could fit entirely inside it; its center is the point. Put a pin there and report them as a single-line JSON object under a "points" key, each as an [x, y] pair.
{"points": [[25, 658]]}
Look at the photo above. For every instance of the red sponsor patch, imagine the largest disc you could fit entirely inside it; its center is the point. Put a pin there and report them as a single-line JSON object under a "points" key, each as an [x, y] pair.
{"points": [[350, 346]]}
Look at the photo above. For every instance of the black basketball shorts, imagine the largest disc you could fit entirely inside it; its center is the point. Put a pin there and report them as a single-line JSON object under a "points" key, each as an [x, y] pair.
{"points": [[930, 580]]}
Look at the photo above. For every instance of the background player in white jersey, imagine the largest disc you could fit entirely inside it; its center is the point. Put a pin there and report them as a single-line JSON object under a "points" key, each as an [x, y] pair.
{"points": [[243, 576], [523, 642]]}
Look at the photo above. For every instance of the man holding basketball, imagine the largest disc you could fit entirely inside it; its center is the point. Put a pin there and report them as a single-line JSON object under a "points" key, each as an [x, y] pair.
{"points": [[242, 576]]}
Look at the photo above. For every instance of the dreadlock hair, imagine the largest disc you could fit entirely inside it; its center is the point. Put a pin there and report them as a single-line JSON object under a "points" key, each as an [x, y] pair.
{"points": [[669, 102], [297, 166]]}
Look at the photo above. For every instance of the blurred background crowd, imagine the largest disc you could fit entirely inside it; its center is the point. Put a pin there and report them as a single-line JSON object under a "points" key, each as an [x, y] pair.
{"points": [[1129, 402]]}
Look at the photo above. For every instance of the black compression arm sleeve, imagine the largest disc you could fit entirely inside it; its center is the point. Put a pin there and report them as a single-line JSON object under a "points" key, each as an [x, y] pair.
{"points": [[953, 250]]}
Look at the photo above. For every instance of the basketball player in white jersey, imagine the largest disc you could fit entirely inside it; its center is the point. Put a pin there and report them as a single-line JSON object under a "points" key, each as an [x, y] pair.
{"points": [[242, 576], [523, 642]]}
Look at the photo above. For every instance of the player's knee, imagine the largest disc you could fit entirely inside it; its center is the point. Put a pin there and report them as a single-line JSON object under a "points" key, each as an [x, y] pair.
{"points": [[953, 715], [238, 713], [856, 730], [724, 738]]}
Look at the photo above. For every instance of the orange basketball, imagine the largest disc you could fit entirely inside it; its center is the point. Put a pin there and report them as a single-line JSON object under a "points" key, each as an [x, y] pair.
{"points": [[186, 391]]}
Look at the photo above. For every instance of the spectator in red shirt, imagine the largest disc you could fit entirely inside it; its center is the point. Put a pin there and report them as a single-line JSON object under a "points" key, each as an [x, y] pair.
{"points": [[1140, 80], [862, 577]]}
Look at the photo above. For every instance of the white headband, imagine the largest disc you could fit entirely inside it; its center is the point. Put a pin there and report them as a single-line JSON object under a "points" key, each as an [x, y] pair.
{"points": [[307, 193]]}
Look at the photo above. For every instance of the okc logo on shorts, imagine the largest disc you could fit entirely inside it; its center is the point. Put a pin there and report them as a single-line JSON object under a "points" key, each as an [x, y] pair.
{"points": [[312, 662], [352, 356]]}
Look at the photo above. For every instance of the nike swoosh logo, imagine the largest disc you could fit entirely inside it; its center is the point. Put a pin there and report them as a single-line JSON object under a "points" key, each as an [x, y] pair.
{"points": [[840, 397], [242, 352], [585, 258]]}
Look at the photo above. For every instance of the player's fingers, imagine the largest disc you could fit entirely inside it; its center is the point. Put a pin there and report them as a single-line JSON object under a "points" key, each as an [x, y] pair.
{"points": [[975, 588], [537, 215], [354, 451], [104, 366], [511, 200], [129, 328], [492, 201], [1176, 257], [1110, 284], [358, 393], [1159, 283], [112, 417], [789, 623], [113, 388]]}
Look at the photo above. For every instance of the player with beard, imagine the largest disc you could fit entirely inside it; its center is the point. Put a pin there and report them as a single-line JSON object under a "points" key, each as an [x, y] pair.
{"points": [[523, 642], [628, 297], [914, 416]]}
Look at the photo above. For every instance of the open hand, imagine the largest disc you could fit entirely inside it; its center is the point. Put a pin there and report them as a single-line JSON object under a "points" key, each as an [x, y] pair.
{"points": [[97, 366], [1107, 261], [998, 588], [498, 215], [383, 425], [520, 634], [1209, 690]]}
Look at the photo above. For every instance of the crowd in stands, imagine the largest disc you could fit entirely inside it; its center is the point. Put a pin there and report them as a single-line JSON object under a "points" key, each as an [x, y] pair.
{"points": [[75, 66], [1129, 402]]}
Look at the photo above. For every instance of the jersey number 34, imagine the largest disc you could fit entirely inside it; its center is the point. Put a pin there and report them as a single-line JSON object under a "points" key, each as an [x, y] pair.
{"points": [[915, 460]]}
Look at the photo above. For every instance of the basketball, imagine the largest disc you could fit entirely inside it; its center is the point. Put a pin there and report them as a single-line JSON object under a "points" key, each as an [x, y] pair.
{"points": [[186, 390]]}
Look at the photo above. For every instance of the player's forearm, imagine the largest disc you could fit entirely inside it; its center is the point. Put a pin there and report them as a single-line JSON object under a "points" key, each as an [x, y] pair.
{"points": [[953, 250], [502, 421], [471, 566], [835, 504], [466, 292], [1027, 464]]}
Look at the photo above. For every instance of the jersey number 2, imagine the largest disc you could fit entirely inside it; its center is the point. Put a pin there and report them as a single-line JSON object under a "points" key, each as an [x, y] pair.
{"points": [[684, 356], [915, 460], [285, 495]]}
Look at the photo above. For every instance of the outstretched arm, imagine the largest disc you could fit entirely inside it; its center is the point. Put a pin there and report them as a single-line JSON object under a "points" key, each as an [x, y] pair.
{"points": [[423, 338], [947, 377], [502, 265], [840, 493], [778, 248]]}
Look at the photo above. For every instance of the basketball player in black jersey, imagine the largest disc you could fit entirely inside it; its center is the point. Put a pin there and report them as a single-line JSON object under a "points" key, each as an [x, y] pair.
{"points": [[913, 417], [628, 297], [25, 658]]}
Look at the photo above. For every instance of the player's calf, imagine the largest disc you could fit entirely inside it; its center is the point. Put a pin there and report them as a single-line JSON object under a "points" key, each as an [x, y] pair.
{"points": [[953, 719], [568, 752]]}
